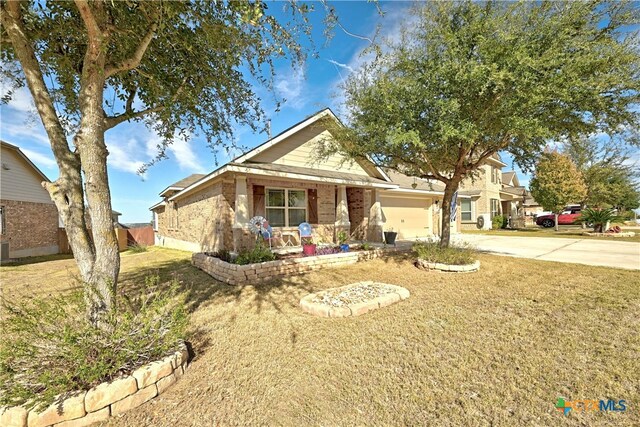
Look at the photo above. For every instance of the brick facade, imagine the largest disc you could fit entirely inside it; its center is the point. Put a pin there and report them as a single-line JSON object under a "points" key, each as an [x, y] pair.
{"points": [[30, 228]]}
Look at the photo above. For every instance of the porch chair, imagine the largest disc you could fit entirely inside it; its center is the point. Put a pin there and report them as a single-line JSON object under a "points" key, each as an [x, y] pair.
{"points": [[305, 231]]}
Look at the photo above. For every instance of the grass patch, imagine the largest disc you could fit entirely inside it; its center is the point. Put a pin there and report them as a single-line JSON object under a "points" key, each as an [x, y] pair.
{"points": [[49, 349], [496, 347], [452, 255], [137, 248]]}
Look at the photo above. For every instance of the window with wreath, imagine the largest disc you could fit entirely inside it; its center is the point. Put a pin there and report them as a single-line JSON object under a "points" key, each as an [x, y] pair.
{"points": [[286, 207], [465, 209]]}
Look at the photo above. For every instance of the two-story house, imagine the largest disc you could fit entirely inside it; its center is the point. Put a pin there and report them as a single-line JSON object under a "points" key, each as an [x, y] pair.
{"points": [[28, 217], [491, 193]]}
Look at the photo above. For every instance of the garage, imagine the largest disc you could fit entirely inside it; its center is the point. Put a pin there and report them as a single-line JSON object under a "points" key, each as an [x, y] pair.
{"points": [[410, 217]]}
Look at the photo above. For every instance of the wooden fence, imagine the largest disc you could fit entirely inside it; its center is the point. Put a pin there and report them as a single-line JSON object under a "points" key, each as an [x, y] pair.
{"points": [[140, 236], [63, 242]]}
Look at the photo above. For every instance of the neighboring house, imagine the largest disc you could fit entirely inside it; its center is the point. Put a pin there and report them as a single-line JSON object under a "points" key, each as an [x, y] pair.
{"points": [[29, 219], [492, 192], [284, 181]]}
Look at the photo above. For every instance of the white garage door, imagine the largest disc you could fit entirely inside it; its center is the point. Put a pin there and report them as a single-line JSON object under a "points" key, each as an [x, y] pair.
{"points": [[410, 217]]}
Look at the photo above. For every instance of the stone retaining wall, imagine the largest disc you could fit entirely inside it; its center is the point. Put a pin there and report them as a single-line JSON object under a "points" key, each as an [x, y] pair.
{"points": [[105, 400], [234, 274], [468, 268]]}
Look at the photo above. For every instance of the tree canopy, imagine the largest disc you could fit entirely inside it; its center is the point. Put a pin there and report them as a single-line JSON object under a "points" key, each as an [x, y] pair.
{"points": [[183, 66], [611, 177], [469, 79]]}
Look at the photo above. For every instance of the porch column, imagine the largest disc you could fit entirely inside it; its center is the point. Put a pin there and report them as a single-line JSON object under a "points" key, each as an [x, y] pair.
{"points": [[241, 211], [342, 211], [376, 221]]}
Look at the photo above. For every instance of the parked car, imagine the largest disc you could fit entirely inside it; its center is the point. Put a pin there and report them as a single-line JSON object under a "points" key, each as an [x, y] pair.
{"points": [[569, 216]]}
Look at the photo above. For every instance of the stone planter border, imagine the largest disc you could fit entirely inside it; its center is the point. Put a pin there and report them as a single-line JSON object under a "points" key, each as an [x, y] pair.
{"points": [[622, 234], [105, 400], [234, 274], [357, 309], [467, 268]]}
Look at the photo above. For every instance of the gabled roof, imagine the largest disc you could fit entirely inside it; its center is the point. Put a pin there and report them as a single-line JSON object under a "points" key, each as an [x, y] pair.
{"points": [[326, 112], [183, 183], [24, 156]]}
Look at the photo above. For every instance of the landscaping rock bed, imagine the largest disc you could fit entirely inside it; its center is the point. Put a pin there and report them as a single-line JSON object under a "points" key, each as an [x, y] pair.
{"points": [[234, 274], [353, 300], [426, 265], [105, 400]]}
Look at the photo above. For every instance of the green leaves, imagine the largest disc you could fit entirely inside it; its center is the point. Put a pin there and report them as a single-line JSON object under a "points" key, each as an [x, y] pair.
{"points": [[557, 182], [470, 79]]}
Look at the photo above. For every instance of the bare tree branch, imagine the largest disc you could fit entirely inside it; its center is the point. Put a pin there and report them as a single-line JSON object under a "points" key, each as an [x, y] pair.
{"points": [[93, 29]]}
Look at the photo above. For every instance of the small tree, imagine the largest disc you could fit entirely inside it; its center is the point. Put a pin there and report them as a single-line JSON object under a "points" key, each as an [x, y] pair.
{"points": [[557, 183], [91, 66], [470, 79], [608, 171]]}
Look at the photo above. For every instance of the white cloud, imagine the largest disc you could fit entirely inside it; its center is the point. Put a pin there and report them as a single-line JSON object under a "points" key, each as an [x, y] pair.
{"points": [[291, 87], [125, 156], [21, 126], [21, 99], [39, 158], [183, 152]]}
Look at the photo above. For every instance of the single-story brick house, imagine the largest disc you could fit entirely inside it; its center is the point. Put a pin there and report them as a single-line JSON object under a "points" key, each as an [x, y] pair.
{"points": [[28, 217], [283, 181]]}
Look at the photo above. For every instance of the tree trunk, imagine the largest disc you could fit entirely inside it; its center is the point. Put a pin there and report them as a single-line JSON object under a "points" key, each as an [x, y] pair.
{"points": [[100, 286], [449, 190], [557, 228]]}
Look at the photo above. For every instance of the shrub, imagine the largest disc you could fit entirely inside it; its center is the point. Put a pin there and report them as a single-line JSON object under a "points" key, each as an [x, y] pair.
{"points": [[342, 237], [327, 250], [137, 248], [224, 255], [598, 218], [498, 221], [366, 246], [452, 255], [48, 348], [260, 253]]}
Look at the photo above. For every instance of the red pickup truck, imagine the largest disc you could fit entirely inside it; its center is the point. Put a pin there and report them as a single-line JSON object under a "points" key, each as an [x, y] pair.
{"points": [[569, 216]]}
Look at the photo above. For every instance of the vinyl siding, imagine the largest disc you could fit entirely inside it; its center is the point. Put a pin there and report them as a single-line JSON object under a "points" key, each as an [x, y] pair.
{"points": [[20, 182], [300, 150]]}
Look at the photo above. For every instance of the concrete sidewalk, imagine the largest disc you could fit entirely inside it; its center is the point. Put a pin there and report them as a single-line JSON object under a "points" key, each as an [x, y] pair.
{"points": [[605, 253]]}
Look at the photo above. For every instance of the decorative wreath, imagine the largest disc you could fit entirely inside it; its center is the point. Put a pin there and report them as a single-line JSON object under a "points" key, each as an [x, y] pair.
{"points": [[257, 224]]}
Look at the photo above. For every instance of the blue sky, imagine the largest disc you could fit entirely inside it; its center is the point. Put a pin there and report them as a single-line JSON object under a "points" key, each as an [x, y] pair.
{"points": [[307, 90]]}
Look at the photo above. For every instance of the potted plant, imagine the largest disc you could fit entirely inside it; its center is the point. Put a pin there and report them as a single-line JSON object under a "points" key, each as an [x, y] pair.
{"points": [[390, 237], [342, 241], [308, 247]]}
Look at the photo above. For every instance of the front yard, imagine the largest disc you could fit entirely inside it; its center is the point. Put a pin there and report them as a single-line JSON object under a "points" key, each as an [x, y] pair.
{"points": [[494, 347]]}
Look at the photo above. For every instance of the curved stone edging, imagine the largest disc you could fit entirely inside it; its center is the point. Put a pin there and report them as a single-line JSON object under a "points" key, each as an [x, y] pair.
{"points": [[105, 400], [323, 310], [467, 268], [622, 234]]}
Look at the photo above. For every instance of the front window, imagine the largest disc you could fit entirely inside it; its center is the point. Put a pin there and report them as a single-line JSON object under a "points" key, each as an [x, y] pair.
{"points": [[3, 226], [286, 208], [495, 207], [465, 209]]}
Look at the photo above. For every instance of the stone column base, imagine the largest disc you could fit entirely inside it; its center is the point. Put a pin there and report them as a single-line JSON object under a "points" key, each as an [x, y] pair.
{"points": [[242, 239], [374, 233]]}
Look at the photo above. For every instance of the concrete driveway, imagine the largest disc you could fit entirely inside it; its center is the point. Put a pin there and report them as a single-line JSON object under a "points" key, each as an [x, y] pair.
{"points": [[607, 253]]}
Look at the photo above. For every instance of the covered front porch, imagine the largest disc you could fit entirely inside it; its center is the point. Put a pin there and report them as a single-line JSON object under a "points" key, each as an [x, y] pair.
{"points": [[287, 196]]}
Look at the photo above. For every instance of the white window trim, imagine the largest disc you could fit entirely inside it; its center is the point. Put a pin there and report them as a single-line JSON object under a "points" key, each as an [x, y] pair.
{"points": [[286, 204], [155, 221], [472, 204]]}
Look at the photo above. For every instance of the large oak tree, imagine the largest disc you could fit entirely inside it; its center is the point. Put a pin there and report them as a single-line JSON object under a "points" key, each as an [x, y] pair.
{"points": [[90, 66], [470, 79]]}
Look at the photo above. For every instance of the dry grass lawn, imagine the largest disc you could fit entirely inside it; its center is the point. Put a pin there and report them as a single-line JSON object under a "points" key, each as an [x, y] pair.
{"points": [[490, 348]]}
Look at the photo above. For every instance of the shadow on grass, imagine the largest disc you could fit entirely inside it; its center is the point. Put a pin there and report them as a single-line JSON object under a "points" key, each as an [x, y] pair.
{"points": [[35, 260]]}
